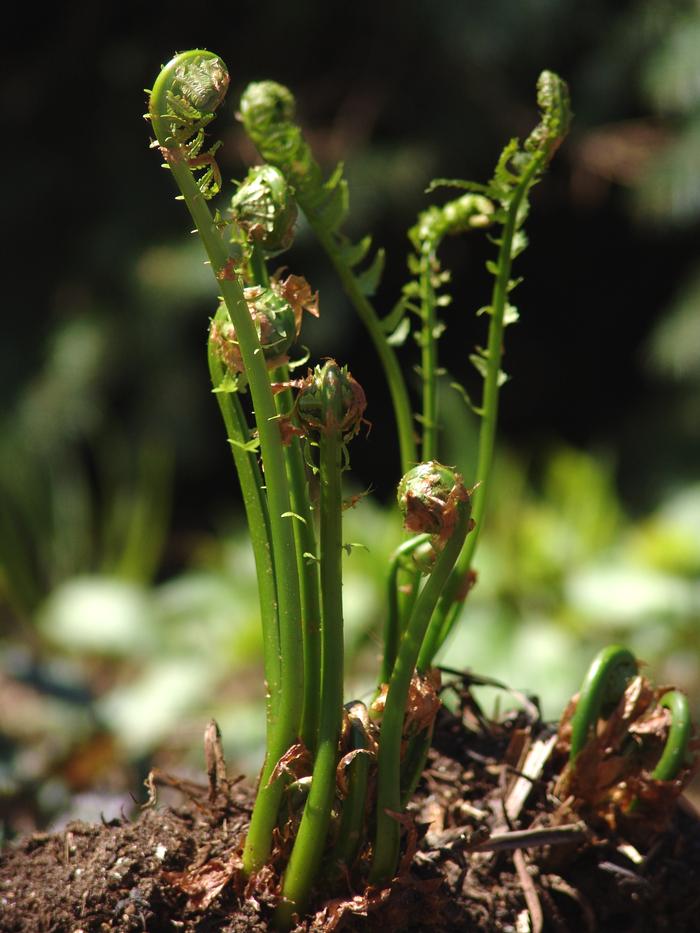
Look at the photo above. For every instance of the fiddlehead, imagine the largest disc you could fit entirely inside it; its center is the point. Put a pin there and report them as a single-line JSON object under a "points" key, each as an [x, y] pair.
{"points": [[182, 103], [422, 297], [518, 169], [555, 116], [267, 111], [675, 753], [263, 207], [602, 688]]}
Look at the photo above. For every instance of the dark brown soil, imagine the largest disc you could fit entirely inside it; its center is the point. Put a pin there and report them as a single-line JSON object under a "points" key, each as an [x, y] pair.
{"points": [[465, 867]]}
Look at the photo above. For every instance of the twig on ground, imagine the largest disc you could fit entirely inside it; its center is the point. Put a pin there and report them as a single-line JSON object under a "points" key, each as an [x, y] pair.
{"points": [[529, 892]]}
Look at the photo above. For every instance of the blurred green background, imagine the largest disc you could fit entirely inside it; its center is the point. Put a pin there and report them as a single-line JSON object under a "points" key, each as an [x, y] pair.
{"points": [[127, 589]]}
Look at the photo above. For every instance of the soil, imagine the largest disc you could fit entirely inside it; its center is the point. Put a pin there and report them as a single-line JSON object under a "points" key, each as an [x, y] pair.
{"points": [[486, 848]]}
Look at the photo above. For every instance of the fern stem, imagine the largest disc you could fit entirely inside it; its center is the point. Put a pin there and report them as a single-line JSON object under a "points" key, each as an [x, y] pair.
{"points": [[390, 364], [283, 730], [429, 354], [255, 504], [392, 628], [307, 569], [305, 859], [386, 847], [449, 605], [305, 540], [489, 406]]}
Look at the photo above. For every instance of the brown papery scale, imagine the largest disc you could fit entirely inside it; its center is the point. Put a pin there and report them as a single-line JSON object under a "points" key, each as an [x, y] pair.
{"points": [[428, 496]]}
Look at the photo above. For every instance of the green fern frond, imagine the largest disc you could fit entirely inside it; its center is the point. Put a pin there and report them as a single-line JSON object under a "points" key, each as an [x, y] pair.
{"points": [[267, 111]]}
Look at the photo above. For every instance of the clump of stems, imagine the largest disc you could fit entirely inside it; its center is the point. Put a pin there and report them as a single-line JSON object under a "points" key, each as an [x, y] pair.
{"points": [[290, 435]]}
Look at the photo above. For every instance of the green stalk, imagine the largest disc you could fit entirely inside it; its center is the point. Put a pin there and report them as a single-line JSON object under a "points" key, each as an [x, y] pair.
{"points": [[282, 732], [393, 629], [306, 546], [255, 504], [489, 406], [307, 569], [605, 682], [428, 343], [353, 817], [450, 604], [309, 845], [675, 753], [394, 377], [305, 537], [386, 848]]}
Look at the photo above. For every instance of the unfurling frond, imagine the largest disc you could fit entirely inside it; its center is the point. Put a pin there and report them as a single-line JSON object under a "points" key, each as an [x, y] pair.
{"points": [[182, 103], [267, 111]]}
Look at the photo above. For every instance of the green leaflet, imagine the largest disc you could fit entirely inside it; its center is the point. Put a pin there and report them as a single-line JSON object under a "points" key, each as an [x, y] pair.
{"points": [[369, 279], [353, 253]]}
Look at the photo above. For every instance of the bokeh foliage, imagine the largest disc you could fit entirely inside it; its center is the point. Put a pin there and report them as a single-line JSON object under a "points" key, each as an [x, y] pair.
{"points": [[126, 582]]}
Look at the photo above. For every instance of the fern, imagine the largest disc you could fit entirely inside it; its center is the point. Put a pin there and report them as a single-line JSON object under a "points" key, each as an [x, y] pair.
{"points": [[267, 111], [518, 169]]}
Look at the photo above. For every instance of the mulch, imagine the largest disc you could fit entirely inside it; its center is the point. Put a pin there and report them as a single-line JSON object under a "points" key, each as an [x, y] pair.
{"points": [[490, 845]]}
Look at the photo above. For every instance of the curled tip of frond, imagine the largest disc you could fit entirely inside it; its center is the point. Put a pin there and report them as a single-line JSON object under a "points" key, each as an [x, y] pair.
{"points": [[192, 85], [203, 81], [265, 103], [267, 113], [468, 212], [264, 207], [428, 496], [555, 107], [275, 320], [181, 105], [330, 399]]}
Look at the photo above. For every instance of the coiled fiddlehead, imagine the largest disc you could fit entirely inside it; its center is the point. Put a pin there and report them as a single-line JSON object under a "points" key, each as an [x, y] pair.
{"points": [[267, 111], [675, 750], [264, 208], [604, 684], [194, 85], [421, 295], [610, 689]]}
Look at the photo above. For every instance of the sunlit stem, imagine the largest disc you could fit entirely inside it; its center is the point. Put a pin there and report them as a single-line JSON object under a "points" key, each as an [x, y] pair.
{"points": [[284, 730], [429, 355], [255, 504], [393, 628], [305, 538], [309, 845], [450, 601], [390, 364], [386, 849]]}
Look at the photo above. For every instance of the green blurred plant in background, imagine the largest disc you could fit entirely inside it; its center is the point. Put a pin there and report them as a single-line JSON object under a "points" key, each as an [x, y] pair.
{"points": [[594, 533]]}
